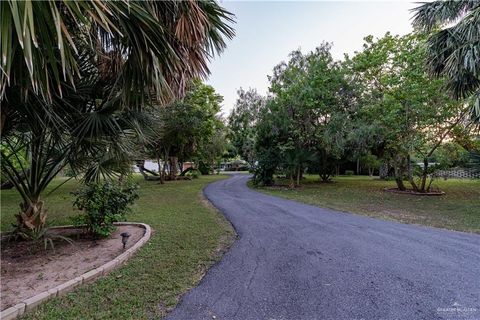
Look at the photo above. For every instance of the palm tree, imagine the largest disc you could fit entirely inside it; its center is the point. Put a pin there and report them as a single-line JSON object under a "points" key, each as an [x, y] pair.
{"points": [[453, 47], [151, 47], [76, 77], [82, 129]]}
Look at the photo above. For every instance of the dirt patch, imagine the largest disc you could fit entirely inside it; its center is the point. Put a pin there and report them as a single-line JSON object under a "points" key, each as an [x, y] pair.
{"points": [[28, 269]]}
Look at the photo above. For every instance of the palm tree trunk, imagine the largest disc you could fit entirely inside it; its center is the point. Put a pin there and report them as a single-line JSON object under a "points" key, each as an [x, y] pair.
{"points": [[31, 216]]}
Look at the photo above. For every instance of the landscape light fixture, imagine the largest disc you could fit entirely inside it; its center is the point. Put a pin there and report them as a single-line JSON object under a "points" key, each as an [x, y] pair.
{"points": [[125, 236]]}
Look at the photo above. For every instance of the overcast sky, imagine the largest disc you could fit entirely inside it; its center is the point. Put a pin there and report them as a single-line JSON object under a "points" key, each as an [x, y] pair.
{"points": [[267, 31]]}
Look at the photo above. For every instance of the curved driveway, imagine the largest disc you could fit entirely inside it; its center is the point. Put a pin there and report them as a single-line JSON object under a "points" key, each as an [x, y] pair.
{"points": [[296, 261]]}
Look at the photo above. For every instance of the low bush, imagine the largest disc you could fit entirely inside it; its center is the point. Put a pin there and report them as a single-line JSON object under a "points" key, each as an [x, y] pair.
{"points": [[194, 174], [349, 172], [204, 168], [103, 204]]}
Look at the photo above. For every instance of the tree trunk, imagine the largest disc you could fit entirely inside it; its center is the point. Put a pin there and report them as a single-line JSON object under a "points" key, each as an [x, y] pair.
{"points": [[358, 166], [164, 173], [143, 171], [32, 216], [424, 176], [298, 175], [325, 177], [292, 181], [370, 171], [410, 175], [161, 170], [173, 167], [400, 184], [413, 184], [383, 170], [399, 173]]}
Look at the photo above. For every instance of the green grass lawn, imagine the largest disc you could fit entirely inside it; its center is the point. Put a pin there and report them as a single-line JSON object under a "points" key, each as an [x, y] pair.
{"points": [[189, 235], [458, 209]]}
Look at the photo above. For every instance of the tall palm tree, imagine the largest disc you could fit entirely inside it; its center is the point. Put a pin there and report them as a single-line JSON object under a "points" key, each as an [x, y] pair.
{"points": [[76, 76], [454, 47]]}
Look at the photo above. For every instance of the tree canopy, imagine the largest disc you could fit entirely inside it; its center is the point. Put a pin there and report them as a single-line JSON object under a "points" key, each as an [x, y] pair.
{"points": [[379, 107]]}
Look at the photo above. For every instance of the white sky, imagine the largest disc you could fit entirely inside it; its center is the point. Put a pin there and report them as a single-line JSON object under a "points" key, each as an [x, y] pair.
{"points": [[267, 31]]}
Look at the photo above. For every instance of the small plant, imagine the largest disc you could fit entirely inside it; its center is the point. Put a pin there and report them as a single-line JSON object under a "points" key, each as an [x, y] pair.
{"points": [[349, 172], [103, 204], [39, 234], [194, 174]]}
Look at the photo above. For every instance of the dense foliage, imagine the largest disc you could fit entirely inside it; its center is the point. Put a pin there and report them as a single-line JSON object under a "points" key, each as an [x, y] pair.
{"points": [[190, 129], [102, 204], [410, 113], [242, 120], [79, 79], [306, 115], [379, 110]]}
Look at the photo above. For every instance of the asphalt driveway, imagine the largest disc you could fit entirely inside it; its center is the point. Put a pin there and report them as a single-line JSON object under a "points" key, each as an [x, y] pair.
{"points": [[296, 261]]}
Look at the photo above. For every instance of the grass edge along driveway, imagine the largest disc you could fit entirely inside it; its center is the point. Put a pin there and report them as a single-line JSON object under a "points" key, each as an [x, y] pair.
{"points": [[458, 209], [189, 235]]}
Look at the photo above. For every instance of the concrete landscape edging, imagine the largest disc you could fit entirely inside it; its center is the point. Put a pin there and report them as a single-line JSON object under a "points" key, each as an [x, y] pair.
{"points": [[87, 277]]}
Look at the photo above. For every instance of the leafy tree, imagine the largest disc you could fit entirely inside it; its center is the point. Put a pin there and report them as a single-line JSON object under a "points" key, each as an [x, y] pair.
{"points": [[451, 154], [413, 112], [266, 147], [242, 120], [311, 99], [371, 162], [186, 126], [453, 47], [213, 150], [475, 161]]}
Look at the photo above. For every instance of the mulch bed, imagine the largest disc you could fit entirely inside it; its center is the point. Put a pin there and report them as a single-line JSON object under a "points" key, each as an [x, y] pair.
{"points": [[28, 269]]}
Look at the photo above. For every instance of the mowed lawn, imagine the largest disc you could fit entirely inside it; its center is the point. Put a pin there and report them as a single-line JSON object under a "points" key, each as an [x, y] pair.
{"points": [[189, 236], [458, 209]]}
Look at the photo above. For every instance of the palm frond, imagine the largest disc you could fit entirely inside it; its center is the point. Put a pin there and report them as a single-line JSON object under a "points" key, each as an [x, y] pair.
{"points": [[153, 47], [454, 46], [435, 14]]}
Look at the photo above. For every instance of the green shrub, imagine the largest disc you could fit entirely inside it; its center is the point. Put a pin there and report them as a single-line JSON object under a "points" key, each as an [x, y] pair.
{"points": [[194, 174], [204, 168], [263, 175], [103, 204], [349, 172]]}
